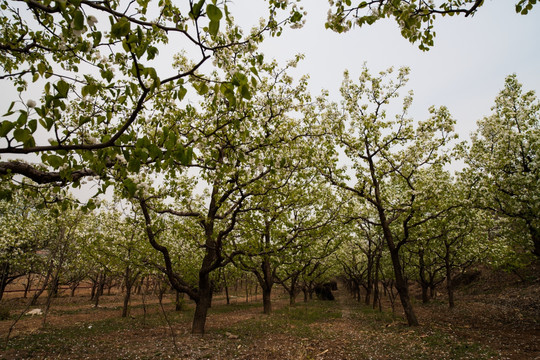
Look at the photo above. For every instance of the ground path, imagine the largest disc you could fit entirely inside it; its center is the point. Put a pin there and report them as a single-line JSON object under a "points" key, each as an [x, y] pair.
{"points": [[341, 329]]}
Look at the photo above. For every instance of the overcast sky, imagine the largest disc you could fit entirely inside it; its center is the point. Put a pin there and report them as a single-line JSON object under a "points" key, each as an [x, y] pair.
{"points": [[465, 69]]}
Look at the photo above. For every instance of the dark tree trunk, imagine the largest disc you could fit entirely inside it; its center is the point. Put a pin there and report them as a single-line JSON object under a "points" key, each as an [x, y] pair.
{"points": [[27, 286], [202, 304], [247, 289], [403, 288], [449, 285], [535, 236], [99, 288], [226, 287], [38, 293], [376, 296], [4, 279], [127, 296], [266, 282], [369, 286], [423, 282], [292, 298], [55, 285], [432, 293], [267, 302], [178, 304], [401, 283], [73, 287]]}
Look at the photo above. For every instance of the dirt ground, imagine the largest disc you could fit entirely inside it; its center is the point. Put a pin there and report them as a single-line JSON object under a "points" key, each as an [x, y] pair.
{"points": [[484, 325]]}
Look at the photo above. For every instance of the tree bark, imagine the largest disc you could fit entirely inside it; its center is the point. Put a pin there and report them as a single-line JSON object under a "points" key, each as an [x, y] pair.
{"points": [[449, 285], [376, 295], [27, 286], [535, 236], [202, 304], [127, 295], [369, 287], [401, 283], [226, 287], [423, 281], [3, 279], [267, 302]]}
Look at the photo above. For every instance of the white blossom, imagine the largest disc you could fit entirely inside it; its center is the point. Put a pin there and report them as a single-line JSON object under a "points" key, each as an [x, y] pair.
{"points": [[92, 21]]}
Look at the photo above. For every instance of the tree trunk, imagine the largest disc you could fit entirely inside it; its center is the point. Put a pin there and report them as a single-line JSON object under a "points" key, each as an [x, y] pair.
{"points": [[4, 278], [27, 286], [403, 288], [423, 282], [127, 295], [267, 302], [99, 289], [202, 304], [93, 291], [401, 283], [376, 295], [535, 236], [292, 298], [226, 287], [73, 287], [449, 285], [178, 303], [369, 286]]}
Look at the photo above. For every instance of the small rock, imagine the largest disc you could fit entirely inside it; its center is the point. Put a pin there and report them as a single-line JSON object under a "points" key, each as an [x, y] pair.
{"points": [[35, 312]]}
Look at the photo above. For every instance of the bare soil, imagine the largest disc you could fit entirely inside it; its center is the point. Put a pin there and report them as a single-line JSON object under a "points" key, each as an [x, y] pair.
{"points": [[487, 323]]}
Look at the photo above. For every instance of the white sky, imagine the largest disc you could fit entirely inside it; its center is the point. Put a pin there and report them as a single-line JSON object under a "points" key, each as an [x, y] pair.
{"points": [[465, 69]]}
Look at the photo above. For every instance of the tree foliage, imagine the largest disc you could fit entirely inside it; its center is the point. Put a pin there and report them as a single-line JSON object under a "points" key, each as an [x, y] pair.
{"points": [[503, 160], [415, 18]]}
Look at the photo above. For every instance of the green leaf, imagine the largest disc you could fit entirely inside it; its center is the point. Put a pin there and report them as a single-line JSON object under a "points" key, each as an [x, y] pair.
{"points": [[78, 20], [182, 93], [21, 135], [55, 161], [9, 112], [6, 127], [130, 186], [213, 27], [151, 52], [213, 12], [244, 91], [32, 124], [196, 10], [21, 121], [97, 37], [62, 89], [297, 16], [202, 89], [121, 28]]}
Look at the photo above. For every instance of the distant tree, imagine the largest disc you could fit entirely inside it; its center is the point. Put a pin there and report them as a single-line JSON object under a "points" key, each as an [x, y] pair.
{"points": [[503, 163], [239, 140], [23, 230], [390, 158]]}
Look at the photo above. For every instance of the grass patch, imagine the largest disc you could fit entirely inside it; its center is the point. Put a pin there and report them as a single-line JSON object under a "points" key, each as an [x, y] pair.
{"points": [[224, 309], [62, 340], [290, 320], [440, 342]]}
